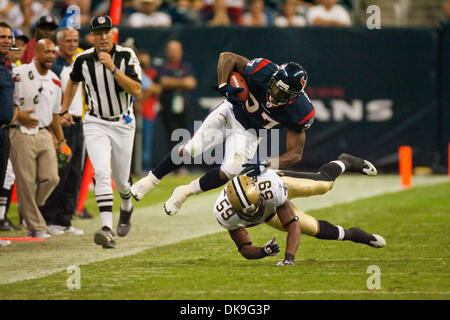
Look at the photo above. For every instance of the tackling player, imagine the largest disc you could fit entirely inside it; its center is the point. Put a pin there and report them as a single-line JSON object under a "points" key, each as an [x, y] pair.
{"points": [[277, 99], [265, 198]]}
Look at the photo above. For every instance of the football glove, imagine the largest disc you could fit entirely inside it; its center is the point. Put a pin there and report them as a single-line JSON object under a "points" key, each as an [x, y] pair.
{"points": [[271, 248], [255, 169], [286, 262], [229, 92]]}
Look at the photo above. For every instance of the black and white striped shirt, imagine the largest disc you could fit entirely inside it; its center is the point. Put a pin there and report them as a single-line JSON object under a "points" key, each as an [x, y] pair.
{"points": [[104, 96]]}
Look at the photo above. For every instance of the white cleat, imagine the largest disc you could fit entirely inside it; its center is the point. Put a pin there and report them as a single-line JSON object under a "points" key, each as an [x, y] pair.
{"points": [[140, 188], [379, 243], [179, 195], [369, 169]]}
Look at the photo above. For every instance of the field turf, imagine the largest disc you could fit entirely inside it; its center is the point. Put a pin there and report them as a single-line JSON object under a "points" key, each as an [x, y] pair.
{"points": [[413, 265]]}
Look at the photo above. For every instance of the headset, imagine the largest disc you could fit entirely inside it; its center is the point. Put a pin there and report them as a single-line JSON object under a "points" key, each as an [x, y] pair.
{"points": [[13, 47]]}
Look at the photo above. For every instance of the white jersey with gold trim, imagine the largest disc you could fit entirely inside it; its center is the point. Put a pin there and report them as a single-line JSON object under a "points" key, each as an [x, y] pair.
{"points": [[274, 193]]}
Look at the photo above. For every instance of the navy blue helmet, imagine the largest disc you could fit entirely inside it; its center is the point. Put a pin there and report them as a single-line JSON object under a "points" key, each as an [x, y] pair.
{"points": [[286, 83]]}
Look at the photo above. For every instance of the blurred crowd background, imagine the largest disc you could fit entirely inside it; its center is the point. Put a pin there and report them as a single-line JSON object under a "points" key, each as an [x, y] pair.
{"points": [[23, 14]]}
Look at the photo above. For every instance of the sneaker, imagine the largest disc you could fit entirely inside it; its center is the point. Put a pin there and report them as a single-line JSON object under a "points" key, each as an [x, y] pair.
{"points": [[40, 234], [140, 188], [55, 230], [176, 200], [73, 231], [105, 237], [4, 243], [356, 164], [5, 225], [124, 224]]}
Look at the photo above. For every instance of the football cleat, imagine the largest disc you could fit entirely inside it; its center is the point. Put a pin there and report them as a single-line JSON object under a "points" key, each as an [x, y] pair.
{"points": [[124, 224], [179, 195], [356, 164], [5, 225], [140, 188], [379, 242], [105, 237]]}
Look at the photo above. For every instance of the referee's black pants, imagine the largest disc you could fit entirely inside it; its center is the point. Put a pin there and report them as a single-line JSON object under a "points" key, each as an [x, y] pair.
{"points": [[62, 203], [4, 152]]}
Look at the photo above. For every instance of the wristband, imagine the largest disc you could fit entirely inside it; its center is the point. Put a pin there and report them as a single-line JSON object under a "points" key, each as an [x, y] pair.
{"points": [[263, 253], [114, 71], [63, 113], [61, 141], [222, 84]]}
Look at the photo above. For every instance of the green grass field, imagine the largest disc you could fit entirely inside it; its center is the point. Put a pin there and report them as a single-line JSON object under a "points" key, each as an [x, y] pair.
{"points": [[413, 265]]}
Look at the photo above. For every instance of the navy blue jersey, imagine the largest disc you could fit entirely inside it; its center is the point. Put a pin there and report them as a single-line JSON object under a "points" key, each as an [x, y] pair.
{"points": [[259, 113]]}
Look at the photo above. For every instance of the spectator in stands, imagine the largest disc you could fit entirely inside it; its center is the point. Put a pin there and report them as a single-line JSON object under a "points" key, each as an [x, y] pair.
{"points": [[98, 7], [25, 13], [328, 13], [219, 15], [446, 7], [45, 28], [235, 10], [256, 16], [182, 12], [62, 203], [5, 6], [177, 81], [149, 16], [289, 16], [198, 7], [85, 9], [128, 8], [147, 104]]}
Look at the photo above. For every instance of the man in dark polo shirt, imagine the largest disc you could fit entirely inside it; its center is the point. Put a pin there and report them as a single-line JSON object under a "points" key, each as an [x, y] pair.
{"points": [[8, 113]]}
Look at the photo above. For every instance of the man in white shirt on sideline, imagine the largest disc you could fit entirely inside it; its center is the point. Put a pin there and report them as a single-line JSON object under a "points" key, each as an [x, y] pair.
{"points": [[328, 13], [62, 203], [38, 94]]}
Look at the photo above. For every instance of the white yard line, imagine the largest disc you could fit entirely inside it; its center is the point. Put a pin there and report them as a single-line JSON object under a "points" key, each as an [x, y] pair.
{"points": [[151, 227]]}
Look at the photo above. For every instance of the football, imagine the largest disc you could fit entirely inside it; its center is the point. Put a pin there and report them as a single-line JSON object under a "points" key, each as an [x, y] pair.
{"points": [[237, 80]]}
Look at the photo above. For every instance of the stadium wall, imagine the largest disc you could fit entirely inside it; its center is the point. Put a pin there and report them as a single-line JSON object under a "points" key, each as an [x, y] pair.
{"points": [[374, 90]]}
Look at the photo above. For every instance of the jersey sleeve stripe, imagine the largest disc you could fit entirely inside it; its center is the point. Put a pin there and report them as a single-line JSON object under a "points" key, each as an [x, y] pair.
{"points": [[309, 116], [261, 65]]}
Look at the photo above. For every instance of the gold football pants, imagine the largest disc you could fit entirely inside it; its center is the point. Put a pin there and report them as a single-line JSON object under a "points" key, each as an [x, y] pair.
{"points": [[300, 187]]}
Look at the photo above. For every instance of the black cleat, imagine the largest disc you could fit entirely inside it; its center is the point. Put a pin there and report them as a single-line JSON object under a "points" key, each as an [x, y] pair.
{"points": [[355, 164], [360, 236], [124, 224], [5, 225], [105, 237]]}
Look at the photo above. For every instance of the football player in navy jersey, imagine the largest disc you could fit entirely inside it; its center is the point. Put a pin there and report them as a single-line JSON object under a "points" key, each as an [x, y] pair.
{"points": [[276, 100]]}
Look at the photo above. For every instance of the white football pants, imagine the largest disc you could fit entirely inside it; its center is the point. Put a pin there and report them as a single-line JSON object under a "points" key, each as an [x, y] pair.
{"points": [[221, 125], [110, 146]]}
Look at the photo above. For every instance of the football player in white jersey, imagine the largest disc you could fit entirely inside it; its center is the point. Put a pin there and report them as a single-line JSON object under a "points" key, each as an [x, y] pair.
{"points": [[264, 197]]}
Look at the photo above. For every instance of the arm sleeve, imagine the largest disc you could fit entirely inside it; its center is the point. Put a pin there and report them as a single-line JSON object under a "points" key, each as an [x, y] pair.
{"points": [[77, 75], [133, 69]]}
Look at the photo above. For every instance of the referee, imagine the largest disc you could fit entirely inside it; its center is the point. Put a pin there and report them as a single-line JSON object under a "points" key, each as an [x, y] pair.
{"points": [[111, 76]]}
